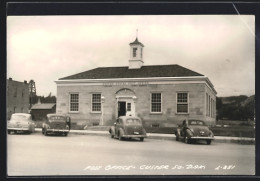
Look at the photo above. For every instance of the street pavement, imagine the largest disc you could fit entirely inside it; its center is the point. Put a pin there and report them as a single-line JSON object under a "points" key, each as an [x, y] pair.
{"points": [[79, 154], [222, 139]]}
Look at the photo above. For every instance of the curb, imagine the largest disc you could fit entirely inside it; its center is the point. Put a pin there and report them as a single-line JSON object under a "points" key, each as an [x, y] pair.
{"points": [[220, 139]]}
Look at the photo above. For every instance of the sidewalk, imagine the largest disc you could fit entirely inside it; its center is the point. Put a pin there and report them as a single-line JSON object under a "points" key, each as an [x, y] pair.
{"points": [[221, 139]]}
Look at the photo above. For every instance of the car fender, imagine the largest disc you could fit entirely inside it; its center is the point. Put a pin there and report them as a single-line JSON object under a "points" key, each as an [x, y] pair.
{"points": [[112, 130], [121, 131], [189, 133], [144, 131]]}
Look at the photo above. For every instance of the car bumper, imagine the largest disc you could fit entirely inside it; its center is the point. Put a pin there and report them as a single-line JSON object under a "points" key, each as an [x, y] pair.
{"points": [[57, 130], [201, 138], [134, 136], [18, 129]]}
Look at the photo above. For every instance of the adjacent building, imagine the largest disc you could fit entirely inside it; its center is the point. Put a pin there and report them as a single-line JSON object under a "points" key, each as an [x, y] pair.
{"points": [[17, 97], [159, 94], [40, 110]]}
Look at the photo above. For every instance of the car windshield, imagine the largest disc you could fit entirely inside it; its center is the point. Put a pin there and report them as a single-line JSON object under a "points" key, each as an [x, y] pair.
{"points": [[132, 121], [57, 119], [196, 122], [19, 117]]}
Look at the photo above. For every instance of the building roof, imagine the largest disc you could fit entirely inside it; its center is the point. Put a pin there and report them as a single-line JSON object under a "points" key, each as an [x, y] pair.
{"points": [[143, 72], [43, 106], [136, 42]]}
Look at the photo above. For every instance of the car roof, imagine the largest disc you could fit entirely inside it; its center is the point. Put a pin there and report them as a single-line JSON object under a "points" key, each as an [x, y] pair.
{"points": [[49, 115], [196, 120], [22, 114]]}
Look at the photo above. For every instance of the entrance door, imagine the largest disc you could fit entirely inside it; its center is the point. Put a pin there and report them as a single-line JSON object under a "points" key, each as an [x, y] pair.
{"points": [[121, 108]]}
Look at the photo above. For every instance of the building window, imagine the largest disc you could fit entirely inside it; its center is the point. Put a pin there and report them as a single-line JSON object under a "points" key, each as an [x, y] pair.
{"points": [[74, 102], [96, 102], [182, 102], [156, 103], [128, 106], [15, 92], [134, 52]]}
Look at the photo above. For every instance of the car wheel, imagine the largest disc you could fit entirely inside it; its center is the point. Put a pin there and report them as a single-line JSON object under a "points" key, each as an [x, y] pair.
{"points": [[65, 134], [112, 136], [208, 142], [141, 139], [120, 136], [186, 140]]}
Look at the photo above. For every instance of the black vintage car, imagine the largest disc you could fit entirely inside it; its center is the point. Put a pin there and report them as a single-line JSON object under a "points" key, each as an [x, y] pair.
{"points": [[128, 127], [192, 130], [56, 124]]}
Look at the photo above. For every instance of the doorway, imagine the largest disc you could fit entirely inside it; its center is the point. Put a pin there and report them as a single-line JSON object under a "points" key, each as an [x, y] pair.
{"points": [[121, 108]]}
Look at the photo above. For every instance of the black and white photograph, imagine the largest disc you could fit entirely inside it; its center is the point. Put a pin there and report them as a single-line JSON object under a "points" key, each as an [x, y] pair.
{"points": [[91, 95]]}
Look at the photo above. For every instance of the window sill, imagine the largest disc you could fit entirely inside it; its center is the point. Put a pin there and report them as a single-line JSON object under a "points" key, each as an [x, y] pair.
{"points": [[158, 113]]}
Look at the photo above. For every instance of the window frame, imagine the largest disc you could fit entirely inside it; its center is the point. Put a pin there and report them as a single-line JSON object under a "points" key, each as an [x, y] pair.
{"points": [[135, 52], [73, 93], [128, 106], [91, 109], [152, 112], [186, 103]]}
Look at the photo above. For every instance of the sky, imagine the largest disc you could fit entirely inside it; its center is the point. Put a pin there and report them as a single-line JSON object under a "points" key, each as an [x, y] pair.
{"points": [[46, 48]]}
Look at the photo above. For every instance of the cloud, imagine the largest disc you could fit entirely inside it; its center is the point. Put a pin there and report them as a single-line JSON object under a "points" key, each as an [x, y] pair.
{"points": [[46, 48]]}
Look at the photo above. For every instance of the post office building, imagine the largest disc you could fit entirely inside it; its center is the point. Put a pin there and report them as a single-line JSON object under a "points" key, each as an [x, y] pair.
{"points": [[155, 93]]}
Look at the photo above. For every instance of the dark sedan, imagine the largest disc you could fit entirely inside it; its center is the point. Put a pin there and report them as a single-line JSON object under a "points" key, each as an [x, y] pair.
{"points": [[56, 124], [192, 130], [128, 127]]}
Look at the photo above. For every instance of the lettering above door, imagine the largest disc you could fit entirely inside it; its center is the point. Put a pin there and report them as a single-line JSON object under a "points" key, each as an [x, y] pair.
{"points": [[110, 84]]}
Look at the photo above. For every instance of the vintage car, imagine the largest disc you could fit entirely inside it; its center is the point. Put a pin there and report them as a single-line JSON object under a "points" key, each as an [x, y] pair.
{"points": [[21, 122], [128, 127], [192, 130], [56, 124]]}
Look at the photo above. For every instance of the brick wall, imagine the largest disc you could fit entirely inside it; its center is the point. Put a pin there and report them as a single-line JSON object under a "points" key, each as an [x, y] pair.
{"points": [[17, 97], [197, 105]]}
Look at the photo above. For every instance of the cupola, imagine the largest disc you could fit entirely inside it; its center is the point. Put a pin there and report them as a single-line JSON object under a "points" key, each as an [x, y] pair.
{"points": [[136, 55]]}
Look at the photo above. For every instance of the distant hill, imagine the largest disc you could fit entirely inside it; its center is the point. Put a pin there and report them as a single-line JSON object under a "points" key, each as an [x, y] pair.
{"points": [[236, 107]]}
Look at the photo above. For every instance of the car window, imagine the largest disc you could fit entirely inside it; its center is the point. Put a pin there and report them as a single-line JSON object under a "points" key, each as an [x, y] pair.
{"points": [[132, 121], [57, 119], [196, 122]]}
